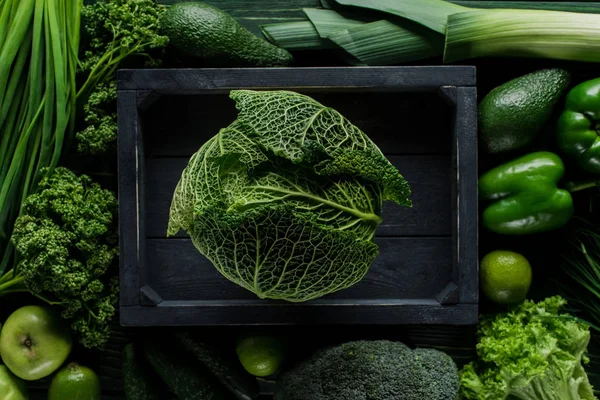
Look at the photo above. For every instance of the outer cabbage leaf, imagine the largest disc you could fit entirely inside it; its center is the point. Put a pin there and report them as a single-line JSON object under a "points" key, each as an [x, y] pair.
{"points": [[283, 122], [278, 253], [285, 226]]}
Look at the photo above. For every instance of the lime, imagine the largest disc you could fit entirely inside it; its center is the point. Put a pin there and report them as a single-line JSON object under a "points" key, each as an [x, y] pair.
{"points": [[75, 382], [505, 276], [260, 355]]}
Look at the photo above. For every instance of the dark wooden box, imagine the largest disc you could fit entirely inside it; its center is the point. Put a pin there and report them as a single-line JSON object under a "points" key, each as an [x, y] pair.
{"points": [[423, 119]]}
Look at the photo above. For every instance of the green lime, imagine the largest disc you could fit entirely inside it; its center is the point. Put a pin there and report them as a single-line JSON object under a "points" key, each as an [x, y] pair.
{"points": [[75, 382], [505, 276], [260, 355]]}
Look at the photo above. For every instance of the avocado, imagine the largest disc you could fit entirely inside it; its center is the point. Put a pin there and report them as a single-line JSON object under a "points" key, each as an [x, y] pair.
{"points": [[75, 382], [511, 116], [208, 33]]}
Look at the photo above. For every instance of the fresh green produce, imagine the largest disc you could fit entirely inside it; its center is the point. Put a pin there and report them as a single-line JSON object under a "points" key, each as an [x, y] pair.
{"points": [[67, 241], [226, 369], [524, 195], [581, 266], [34, 342], [535, 351], [260, 355], [540, 34], [185, 379], [75, 382], [468, 29], [38, 49], [578, 125], [11, 386], [374, 370], [100, 134], [512, 115], [208, 33], [119, 30], [140, 381], [505, 276], [286, 204]]}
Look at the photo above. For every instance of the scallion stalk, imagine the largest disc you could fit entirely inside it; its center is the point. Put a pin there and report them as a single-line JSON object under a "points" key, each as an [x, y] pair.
{"points": [[523, 33]]}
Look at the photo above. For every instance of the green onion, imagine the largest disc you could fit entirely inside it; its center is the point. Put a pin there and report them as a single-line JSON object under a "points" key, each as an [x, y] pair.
{"points": [[298, 35], [523, 33], [385, 43], [431, 13]]}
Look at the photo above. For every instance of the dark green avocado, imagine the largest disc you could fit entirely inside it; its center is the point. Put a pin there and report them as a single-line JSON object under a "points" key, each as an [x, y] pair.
{"points": [[208, 33], [512, 115]]}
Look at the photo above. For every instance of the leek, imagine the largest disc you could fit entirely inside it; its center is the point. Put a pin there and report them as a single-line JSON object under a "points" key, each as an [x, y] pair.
{"points": [[329, 22], [430, 13], [385, 43], [297, 35], [593, 8], [523, 33]]}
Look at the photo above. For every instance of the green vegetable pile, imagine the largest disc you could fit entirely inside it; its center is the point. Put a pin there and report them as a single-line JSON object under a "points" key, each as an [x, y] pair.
{"points": [[67, 244], [374, 370], [120, 30], [286, 200], [532, 352]]}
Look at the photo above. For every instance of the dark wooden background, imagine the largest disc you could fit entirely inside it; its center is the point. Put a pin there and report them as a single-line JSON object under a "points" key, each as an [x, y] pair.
{"points": [[540, 250]]}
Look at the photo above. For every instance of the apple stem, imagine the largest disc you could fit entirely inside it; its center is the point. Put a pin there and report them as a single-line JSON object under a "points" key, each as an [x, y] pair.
{"points": [[28, 343]]}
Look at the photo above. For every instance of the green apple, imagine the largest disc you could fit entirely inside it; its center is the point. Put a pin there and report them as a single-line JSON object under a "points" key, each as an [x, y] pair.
{"points": [[34, 342], [11, 387]]}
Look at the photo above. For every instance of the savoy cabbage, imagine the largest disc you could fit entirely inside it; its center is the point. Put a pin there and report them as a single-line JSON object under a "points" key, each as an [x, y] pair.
{"points": [[286, 200]]}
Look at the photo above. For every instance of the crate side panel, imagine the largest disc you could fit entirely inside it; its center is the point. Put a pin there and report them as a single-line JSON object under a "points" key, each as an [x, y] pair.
{"points": [[406, 268], [129, 216], [400, 123], [407, 78]]}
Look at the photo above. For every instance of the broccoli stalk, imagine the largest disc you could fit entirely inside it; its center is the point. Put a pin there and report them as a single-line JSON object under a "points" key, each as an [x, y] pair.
{"points": [[119, 29], [533, 352], [67, 247]]}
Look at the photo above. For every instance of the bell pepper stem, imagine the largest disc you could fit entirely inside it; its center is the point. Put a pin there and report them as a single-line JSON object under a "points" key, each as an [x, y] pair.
{"points": [[573, 186]]}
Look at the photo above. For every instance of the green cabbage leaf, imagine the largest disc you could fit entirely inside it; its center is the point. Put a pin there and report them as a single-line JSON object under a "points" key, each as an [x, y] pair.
{"points": [[286, 200]]}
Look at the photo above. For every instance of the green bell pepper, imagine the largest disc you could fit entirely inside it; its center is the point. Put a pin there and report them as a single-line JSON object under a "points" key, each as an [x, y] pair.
{"points": [[524, 195], [12, 387], [579, 126]]}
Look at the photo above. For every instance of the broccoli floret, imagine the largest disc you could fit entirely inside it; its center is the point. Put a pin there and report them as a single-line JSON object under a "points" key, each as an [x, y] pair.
{"points": [[371, 370], [67, 242]]}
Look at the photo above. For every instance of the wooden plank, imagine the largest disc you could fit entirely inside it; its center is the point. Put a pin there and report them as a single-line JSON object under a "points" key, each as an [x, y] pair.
{"points": [[399, 123], [189, 81], [176, 314], [129, 195], [467, 256], [429, 177], [406, 268]]}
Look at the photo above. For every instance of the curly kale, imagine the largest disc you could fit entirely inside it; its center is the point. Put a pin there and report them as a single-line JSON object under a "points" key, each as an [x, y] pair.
{"points": [[371, 370], [67, 242], [100, 135], [119, 29]]}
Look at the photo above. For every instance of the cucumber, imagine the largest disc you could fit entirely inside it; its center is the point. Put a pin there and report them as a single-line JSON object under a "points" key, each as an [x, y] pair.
{"points": [[140, 380], [227, 370], [182, 376]]}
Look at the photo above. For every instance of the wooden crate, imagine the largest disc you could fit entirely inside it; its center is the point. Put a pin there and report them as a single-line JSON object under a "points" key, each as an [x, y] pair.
{"points": [[423, 119]]}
